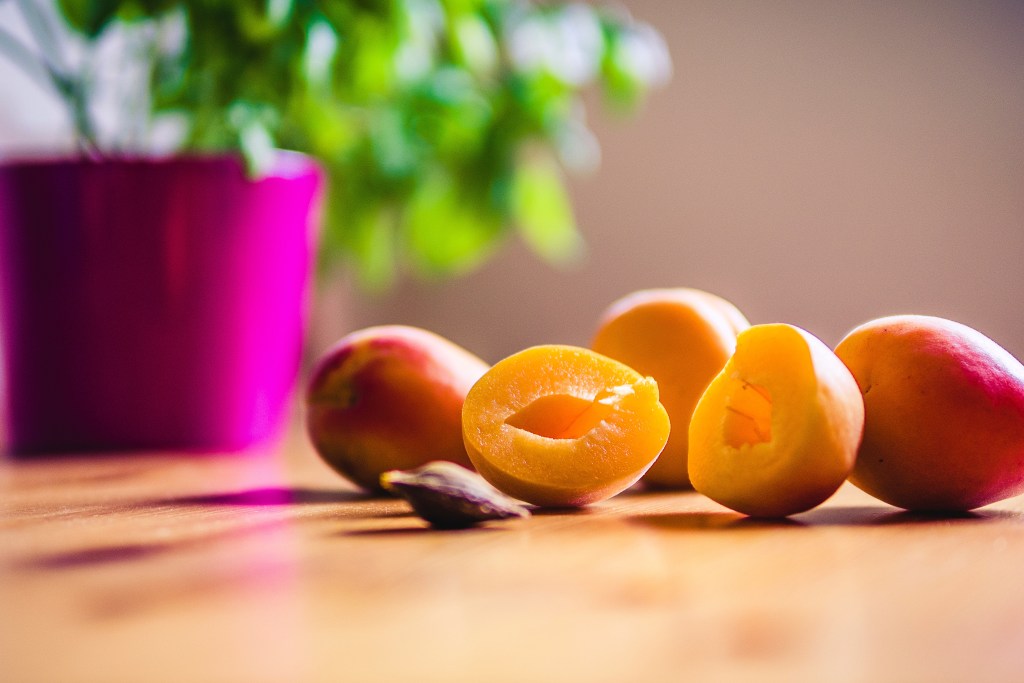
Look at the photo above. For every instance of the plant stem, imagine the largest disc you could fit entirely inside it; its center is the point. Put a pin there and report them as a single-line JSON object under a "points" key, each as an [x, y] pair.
{"points": [[73, 91], [21, 55], [40, 28]]}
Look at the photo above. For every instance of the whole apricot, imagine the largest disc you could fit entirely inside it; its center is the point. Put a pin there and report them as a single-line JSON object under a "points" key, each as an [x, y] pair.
{"points": [[563, 426], [682, 338], [389, 398], [944, 426], [777, 430]]}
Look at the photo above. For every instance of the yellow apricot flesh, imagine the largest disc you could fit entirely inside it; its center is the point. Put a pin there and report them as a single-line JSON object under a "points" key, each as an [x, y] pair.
{"points": [[562, 426], [682, 337], [777, 431]]}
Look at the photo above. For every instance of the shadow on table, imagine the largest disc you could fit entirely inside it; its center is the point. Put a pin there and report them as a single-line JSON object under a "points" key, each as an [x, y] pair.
{"points": [[270, 496], [344, 504], [418, 530], [88, 557], [883, 516], [340, 504], [821, 517]]}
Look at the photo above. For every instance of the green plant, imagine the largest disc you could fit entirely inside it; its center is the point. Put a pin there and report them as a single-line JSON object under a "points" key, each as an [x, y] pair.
{"points": [[442, 123]]}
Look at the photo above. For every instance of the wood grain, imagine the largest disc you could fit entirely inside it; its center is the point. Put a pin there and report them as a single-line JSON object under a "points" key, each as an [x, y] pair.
{"points": [[267, 567]]}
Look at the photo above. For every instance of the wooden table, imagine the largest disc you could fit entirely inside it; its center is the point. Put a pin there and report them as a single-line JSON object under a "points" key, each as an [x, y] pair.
{"points": [[267, 567]]}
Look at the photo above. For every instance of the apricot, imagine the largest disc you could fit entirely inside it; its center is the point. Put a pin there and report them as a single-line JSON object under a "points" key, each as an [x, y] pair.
{"points": [[681, 337], [389, 398], [562, 426], [944, 426], [777, 430]]}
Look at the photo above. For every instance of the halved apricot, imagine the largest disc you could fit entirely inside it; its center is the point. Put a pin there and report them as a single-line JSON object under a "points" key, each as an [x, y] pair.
{"points": [[777, 431], [682, 337], [563, 426]]}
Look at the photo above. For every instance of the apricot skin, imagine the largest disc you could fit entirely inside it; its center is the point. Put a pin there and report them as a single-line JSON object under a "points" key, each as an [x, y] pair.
{"points": [[562, 426], [682, 337], [389, 398], [944, 429]]}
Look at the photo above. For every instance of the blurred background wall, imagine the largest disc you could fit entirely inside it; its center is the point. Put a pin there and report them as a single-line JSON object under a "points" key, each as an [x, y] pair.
{"points": [[819, 163]]}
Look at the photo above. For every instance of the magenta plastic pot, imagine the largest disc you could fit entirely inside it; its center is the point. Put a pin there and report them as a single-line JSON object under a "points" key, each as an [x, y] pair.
{"points": [[152, 304]]}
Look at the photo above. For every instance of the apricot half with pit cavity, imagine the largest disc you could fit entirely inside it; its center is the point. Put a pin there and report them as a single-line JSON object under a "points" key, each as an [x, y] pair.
{"points": [[389, 398], [682, 337], [777, 431], [562, 426]]}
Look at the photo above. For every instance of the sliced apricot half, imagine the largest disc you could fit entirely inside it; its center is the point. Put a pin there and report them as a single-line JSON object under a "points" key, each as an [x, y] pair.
{"points": [[777, 431], [562, 426]]}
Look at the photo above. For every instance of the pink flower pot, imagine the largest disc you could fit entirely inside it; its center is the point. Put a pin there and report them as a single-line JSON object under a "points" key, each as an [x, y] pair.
{"points": [[152, 304]]}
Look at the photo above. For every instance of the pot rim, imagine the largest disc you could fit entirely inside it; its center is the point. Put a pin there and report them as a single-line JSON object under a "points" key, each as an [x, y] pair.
{"points": [[286, 163]]}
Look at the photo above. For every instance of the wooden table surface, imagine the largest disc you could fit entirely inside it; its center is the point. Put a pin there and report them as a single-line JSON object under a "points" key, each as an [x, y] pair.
{"points": [[268, 567]]}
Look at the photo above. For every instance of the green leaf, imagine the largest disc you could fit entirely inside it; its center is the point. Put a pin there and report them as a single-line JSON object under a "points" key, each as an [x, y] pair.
{"points": [[450, 115], [474, 45], [373, 63], [89, 16], [320, 51], [278, 12], [372, 244], [447, 231], [543, 211], [393, 147], [636, 60], [333, 130]]}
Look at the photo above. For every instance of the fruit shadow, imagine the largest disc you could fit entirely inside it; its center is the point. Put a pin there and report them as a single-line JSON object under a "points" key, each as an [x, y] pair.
{"points": [[271, 496], [560, 511], [852, 516], [125, 553], [89, 557], [350, 504], [418, 530], [870, 515]]}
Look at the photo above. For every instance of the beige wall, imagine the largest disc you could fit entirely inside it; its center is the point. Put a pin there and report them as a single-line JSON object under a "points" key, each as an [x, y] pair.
{"points": [[819, 163]]}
